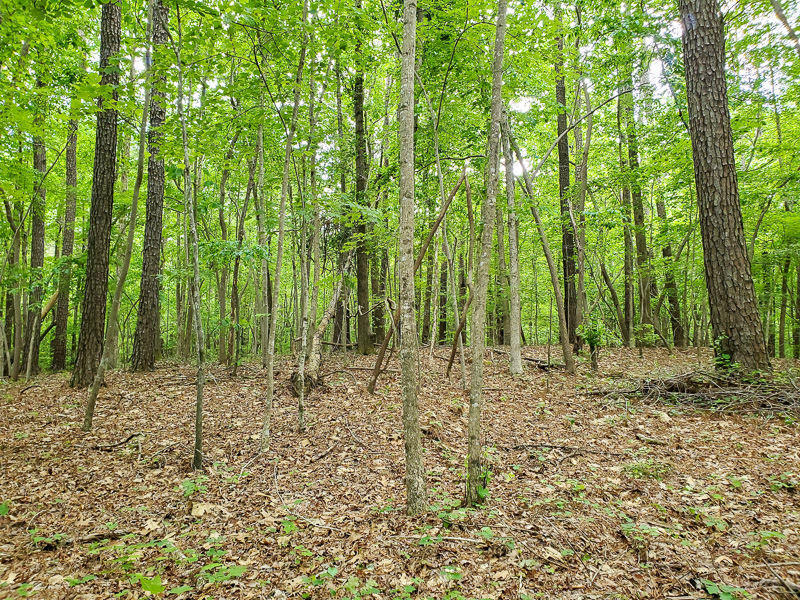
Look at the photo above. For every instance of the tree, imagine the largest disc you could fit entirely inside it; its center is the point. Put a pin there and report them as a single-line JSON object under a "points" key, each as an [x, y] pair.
{"points": [[93, 308], [416, 493], [146, 337], [735, 322], [475, 471]]}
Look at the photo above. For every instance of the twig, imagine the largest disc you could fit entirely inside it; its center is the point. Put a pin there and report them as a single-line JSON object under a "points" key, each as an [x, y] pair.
{"points": [[323, 455], [557, 447], [649, 440], [299, 516], [112, 446]]}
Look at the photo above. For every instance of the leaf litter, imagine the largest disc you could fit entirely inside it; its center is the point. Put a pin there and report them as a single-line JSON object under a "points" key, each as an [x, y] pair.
{"points": [[590, 495]]}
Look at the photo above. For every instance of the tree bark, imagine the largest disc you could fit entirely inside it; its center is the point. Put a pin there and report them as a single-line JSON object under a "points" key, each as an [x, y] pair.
{"points": [[416, 493], [515, 311], [276, 283], [567, 233], [93, 313], [476, 476], [146, 335], [735, 322], [65, 276], [39, 200], [364, 339]]}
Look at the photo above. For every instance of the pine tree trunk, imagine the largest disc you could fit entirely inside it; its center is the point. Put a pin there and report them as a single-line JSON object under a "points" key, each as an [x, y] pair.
{"points": [[735, 322], [146, 335], [93, 312], [416, 492]]}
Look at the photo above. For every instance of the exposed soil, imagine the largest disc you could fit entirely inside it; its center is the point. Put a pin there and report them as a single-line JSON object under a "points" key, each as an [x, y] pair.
{"points": [[590, 496]]}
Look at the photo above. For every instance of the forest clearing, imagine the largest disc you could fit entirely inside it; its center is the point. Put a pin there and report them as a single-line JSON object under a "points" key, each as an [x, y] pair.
{"points": [[591, 495]]}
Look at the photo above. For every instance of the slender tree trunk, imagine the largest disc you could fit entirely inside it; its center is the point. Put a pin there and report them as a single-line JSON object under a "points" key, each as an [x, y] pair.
{"points": [[65, 276], [147, 335], [515, 311], [364, 340], [416, 492], [93, 313], [566, 346], [38, 208], [503, 318], [567, 233], [628, 295], [276, 284], [476, 477], [787, 263], [222, 291], [735, 322], [670, 285]]}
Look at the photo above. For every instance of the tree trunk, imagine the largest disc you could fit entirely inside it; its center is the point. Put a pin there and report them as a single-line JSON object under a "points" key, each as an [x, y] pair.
{"points": [[442, 288], [476, 476], [38, 208], [629, 333], [110, 350], [735, 322], [639, 231], [515, 311], [65, 276], [503, 316], [567, 233], [364, 340], [416, 493], [146, 335], [787, 263], [670, 285], [276, 284], [93, 313]]}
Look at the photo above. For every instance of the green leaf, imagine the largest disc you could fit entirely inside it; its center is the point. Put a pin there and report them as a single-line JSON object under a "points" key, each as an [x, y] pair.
{"points": [[152, 585], [181, 589]]}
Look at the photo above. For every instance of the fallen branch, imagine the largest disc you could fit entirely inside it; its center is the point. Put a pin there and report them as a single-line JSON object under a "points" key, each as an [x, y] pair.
{"points": [[112, 446]]}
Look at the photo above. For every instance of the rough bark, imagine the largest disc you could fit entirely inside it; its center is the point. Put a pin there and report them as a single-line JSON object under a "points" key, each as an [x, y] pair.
{"points": [[93, 312], [735, 321], [146, 335]]}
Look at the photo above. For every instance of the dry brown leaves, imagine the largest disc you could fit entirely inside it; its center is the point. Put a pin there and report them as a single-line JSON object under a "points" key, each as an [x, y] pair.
{"points": [[603, 509]]}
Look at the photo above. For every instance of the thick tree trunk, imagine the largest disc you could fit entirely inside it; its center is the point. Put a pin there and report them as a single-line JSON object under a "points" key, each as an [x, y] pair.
{"points": [[110, 351], [735, 322], [147, 335], [416, 493], [476, 477], [93, 313]]}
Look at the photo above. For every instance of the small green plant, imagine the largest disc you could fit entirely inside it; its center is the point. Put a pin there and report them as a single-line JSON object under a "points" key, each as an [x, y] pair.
{"points": [[193, 486], [4, 507], [762, 539], [647, 469], [787, 482], [724, 592], [593, 331], [85, 579]]}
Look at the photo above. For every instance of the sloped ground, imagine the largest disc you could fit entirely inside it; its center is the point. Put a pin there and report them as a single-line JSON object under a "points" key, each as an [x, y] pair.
{"points": [[589, 496]]}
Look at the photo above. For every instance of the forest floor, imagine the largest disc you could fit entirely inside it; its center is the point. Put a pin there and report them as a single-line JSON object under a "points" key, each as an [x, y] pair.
{"points": [[591, 495]]}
